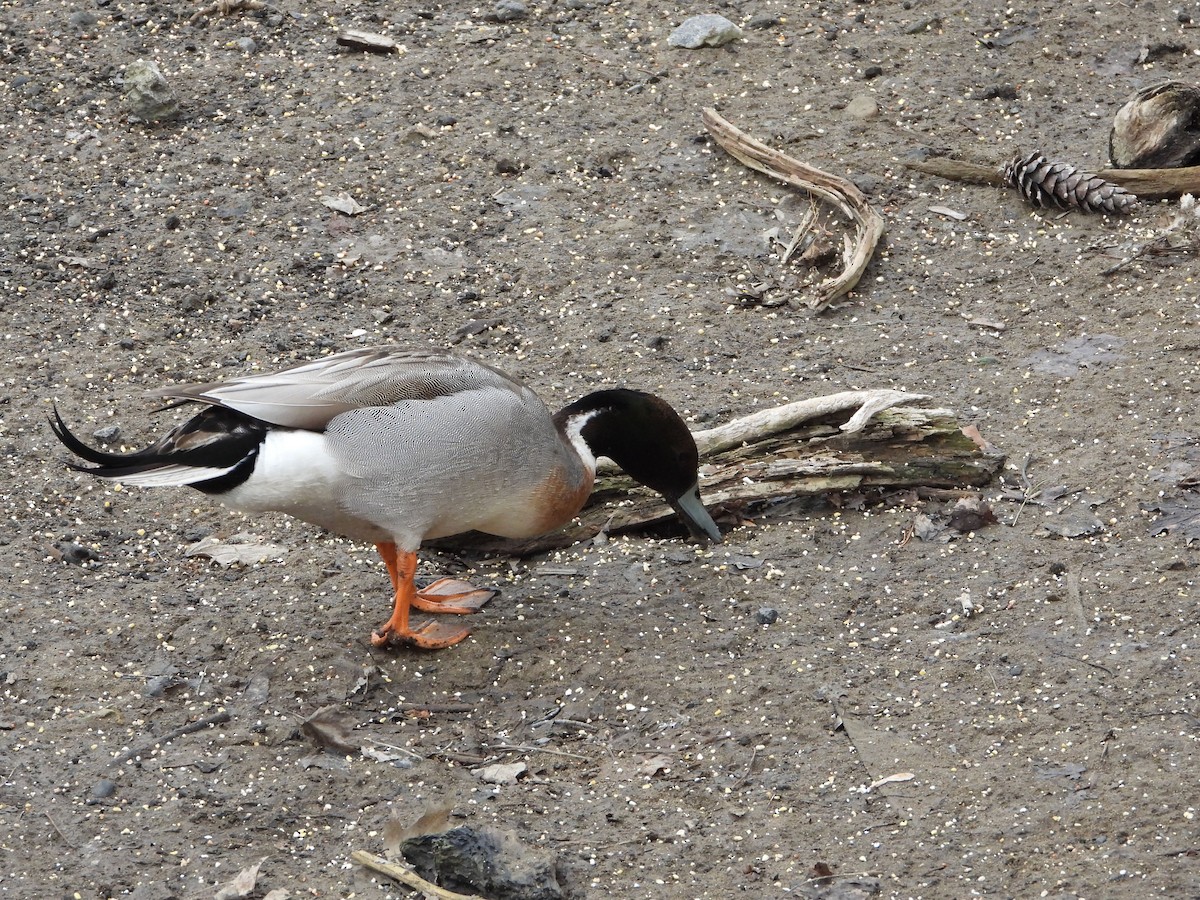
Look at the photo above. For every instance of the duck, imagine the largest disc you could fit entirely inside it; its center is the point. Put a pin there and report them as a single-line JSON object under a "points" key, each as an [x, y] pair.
{"points": [[395, 447]]}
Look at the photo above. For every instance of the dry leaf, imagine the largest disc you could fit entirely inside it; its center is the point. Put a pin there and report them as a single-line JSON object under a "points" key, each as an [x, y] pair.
{"points": [[433, 821], [241, 549], [948, 212], [344, 204], [387, 756], [891, 779], [1180, 515], [242, 885], [329, 729], [324, 761], [972, 431], [971, 514], [654, 765]]}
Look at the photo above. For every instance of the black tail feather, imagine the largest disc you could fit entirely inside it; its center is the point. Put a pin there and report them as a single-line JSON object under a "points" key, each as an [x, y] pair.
{"points": [[215, 439], [83, 451]]}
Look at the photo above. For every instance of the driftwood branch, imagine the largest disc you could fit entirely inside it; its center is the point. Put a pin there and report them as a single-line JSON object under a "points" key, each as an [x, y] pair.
{"points": [[854, 440], [1143, 182], [407, 876], [834, 190]]}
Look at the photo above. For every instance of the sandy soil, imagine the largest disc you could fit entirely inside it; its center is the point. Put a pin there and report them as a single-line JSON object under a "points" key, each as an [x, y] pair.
{"points": [[541, 192]]}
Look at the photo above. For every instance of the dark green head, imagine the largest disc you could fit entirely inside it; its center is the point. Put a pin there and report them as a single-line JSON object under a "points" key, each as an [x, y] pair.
{"points": [[643, 435]]}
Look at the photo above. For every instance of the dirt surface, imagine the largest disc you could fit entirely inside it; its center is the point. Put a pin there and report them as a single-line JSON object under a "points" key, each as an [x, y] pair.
{"points": [[541, 192]]}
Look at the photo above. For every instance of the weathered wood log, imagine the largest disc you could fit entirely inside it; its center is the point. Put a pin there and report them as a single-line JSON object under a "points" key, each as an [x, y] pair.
{"points": [[852, 441]]}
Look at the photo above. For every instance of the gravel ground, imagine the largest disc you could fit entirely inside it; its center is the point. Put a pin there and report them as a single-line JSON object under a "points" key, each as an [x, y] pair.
{"points": [[541, 192]]}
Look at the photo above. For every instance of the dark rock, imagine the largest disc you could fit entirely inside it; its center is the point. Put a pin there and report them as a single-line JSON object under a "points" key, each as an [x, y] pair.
{"points": [[509, 11], [103, 789], [82, 20], [493, 863], [76, 554], [768, 615], [763, 21], [108, 434]]}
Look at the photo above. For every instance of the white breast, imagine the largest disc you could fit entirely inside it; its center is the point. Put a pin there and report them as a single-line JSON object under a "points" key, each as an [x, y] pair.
{"points": [[296, 474]]}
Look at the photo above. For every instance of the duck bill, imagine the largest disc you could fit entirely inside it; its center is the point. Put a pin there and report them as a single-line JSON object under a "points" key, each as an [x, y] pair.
{"points": [[691, 509]]}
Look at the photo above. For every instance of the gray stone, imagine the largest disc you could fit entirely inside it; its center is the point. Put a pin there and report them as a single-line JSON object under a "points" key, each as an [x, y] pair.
{"points": [[147, 95], [862, 107], [509, 11], [704, 31]]}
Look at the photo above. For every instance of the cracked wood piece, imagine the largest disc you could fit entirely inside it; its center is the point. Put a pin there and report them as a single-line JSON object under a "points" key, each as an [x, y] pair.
{"points": [[834, 190], [853, 440]]}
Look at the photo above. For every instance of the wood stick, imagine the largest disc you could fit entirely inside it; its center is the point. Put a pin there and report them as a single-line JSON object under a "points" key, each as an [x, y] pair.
{"points": [[1143, 182], [759, 425], [834, 190], [198, 725], [407, 876]]}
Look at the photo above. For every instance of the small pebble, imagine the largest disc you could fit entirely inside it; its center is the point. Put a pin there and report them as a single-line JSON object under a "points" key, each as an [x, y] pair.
{"points": [[704, 31], [103, 789], [76, 554], [768, 615], [246, 45], [862, 108], [872, 72], [82, 20], [108, 434]]}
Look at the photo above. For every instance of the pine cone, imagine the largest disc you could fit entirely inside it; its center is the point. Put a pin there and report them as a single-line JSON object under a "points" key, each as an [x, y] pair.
{"points": [[1044, 183]]}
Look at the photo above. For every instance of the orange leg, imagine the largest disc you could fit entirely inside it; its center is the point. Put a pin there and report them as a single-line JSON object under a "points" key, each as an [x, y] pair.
{"points": [[442, 596]]}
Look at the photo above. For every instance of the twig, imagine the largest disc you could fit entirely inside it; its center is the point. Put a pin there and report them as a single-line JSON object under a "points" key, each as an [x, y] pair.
{"points": [[830, 188], [521, 748], [70, 843], [758, 425], [199, 725], [405, 875]]}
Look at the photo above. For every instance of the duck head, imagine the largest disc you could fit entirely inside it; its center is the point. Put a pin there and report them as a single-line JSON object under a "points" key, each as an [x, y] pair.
{"points": [[643, 435]]}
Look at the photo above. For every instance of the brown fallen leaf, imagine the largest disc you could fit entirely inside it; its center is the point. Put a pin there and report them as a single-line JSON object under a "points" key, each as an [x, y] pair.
{"points": [[971, 514], [821, 873], [433, 821], [972, 432], [329, 729]]}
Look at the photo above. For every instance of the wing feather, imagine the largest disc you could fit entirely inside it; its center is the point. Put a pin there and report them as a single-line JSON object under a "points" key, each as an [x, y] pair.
{"points": [[309, 395]]}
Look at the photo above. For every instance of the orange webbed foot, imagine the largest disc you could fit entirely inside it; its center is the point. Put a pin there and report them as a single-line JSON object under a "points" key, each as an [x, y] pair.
{"points": [[449, 595], [430, 636], [444, 596]]}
